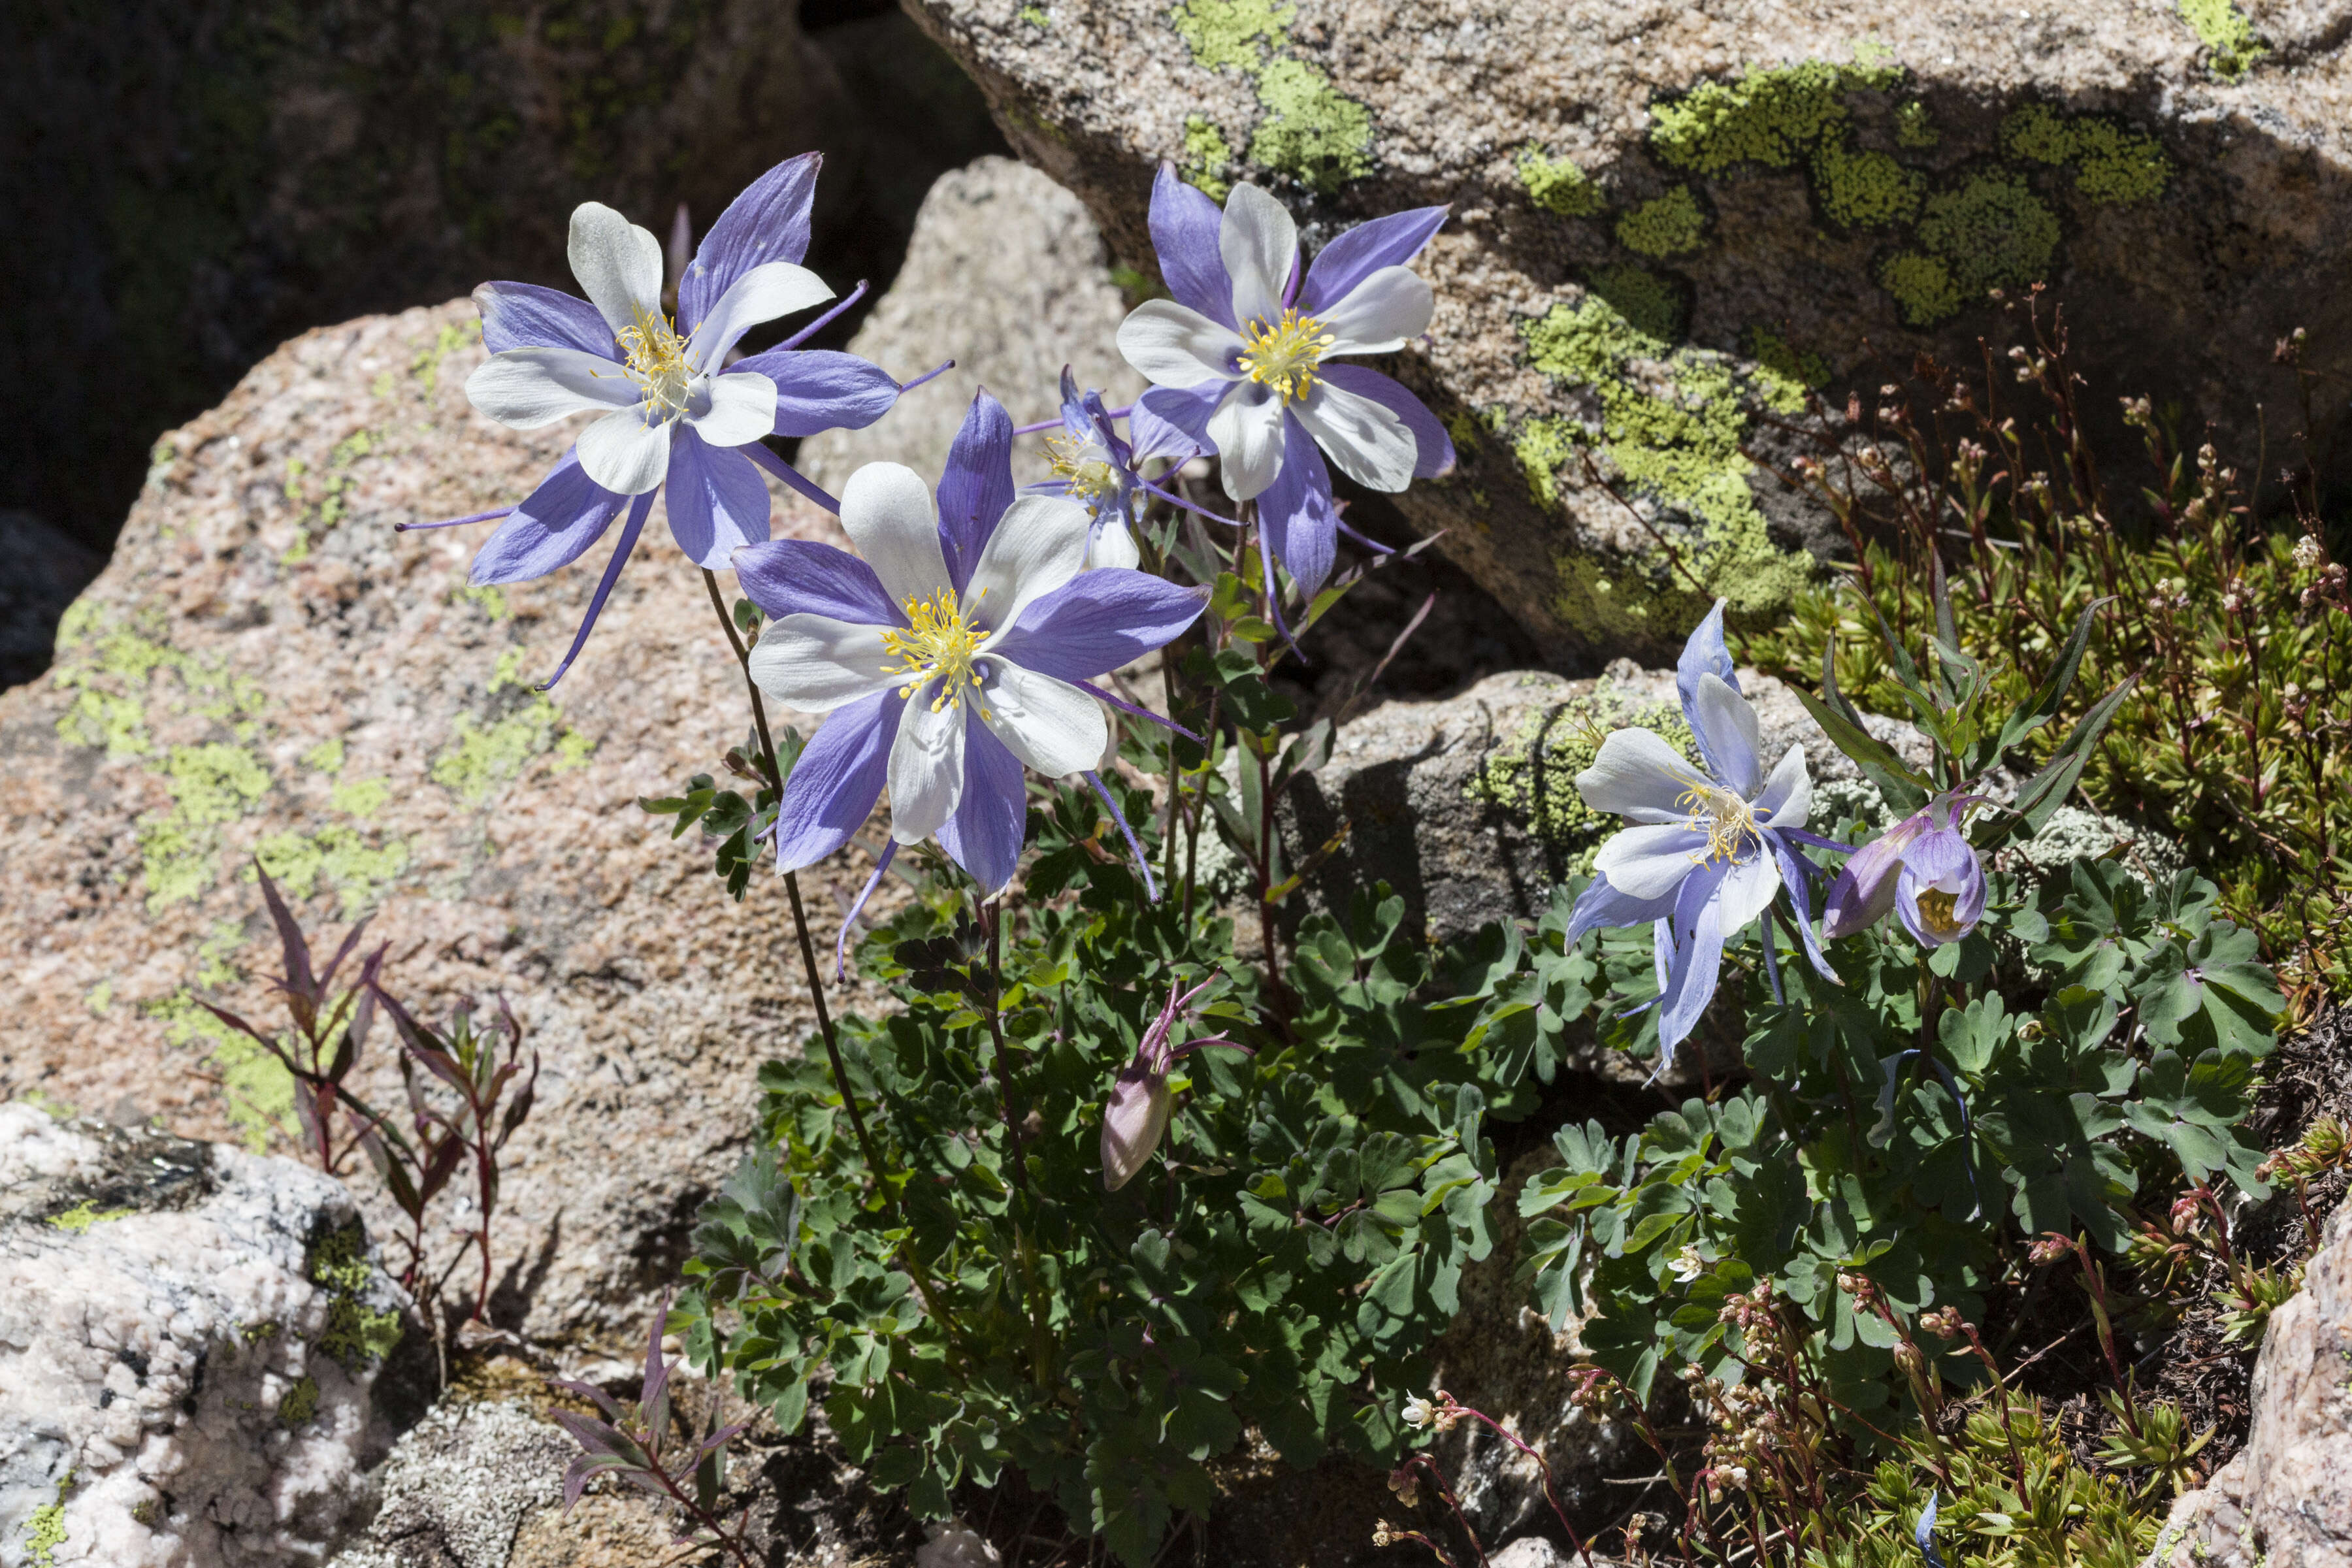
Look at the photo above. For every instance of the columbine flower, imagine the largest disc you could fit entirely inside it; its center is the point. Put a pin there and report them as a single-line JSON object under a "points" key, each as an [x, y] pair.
{"points": [[1923, 868], [1712, 847], [1141, 1101], [1101, 470], [956, 652], [1239, 358], [674, 412]]}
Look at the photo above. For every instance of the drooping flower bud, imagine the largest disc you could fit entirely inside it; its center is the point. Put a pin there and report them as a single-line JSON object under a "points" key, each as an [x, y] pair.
{"points": [[1136, 1115], [1922, 869]]}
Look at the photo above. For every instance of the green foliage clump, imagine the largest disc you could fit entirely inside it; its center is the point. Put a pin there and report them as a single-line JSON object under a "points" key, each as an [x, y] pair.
{"points": [[1559, 185], [2232, 46], [1865, 190], [1533, 773], [1670, 225]]}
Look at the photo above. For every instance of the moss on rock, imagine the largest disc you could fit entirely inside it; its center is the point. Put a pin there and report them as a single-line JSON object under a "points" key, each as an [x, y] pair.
{"points": [[1922, 287]]}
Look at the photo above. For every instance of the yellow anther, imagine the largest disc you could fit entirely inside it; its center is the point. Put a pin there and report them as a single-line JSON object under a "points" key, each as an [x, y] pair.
{"points": [[938, 644], [1089, 478], [657, 362], [1728, 822], [1936, 912], [1285, 355]]}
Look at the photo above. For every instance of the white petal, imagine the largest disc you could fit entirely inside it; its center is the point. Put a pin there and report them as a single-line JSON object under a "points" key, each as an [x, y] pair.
{"points": [[926, 769], [1380, 314], [1049, 724], [1366, 441], [888, 512], [1259, 245], [1039, 544], [1726, 726], [815, 663], [1650, 862], [1113, 546], [624, 454], [1788, 797], [527, 388], [618, 264], [1748, 888], [1638, 775], [770, 290], [742, 408], [1247, 430], [1171, 345]]}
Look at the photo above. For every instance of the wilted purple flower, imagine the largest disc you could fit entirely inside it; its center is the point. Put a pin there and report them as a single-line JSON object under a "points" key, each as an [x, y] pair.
{"points": [[1711, 849], [1102, 470], [1238, 358], [1137, 1113], [675, 413], [1923, 868], [959, 649]]}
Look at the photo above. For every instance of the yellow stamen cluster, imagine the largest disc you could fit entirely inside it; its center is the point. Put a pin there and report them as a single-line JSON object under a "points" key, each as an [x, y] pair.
{"points": [[1936, 908], [657, 362], [1285, 355], [1728, 822], [939, 645], [1088, 480]]}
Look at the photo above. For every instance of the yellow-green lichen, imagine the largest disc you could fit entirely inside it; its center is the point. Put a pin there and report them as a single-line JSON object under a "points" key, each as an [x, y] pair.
{"points": [[1208, 157], [1672, 421], [1772, 117], [2114, 165], [298, 1403], [355, 1334], [1311, 132], [2233, 47], [111, 663], [1992, 231], [359, 871], [1915, 127], [319, 508], [1559, 185], [1649, 303], [45, 1529], [212, 785], [1671, 225], [99, 998], [1801, 368], [1233, 34], [1922, 287], [484, 758], [490, 599], [1036, 17], [1533, 773], [359, 797], [326, 756], [77, 1220], [1865, 190], [426, 366], [257, 1090]]}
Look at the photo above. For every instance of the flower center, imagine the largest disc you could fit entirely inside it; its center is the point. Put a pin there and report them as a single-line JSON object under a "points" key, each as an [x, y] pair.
{"points": [[1285, 355], [1090, 479], [657, 364], [1936, 912], [938, 644], [1728, 822]]}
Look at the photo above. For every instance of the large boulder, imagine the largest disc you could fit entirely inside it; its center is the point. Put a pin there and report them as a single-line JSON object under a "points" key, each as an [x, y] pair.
{"points": [[2285, 1502], [189, 1336], [1673, 226], [266, 668]]}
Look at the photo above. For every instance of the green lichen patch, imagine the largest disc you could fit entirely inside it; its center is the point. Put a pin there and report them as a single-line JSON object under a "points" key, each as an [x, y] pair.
{"points": [[1313, 132], [2114, 165], [2233, 47], [1036, 17], [1801, 368], [212, 785], [299, 1403], [1671, 225], [360, 797], [1559, 185], [1922, 287], [116, 665], [322, 504], [1773, 118], [1991, 230], [484, 757], [426, 368], [490, 599], [1653, 306], [1533, 773], [359, 870], [45, 1529], [1208, 158], [1865, 190], [1915, 127], [326, 756], [355, 1334], [77, 1220], [1233, 34]]}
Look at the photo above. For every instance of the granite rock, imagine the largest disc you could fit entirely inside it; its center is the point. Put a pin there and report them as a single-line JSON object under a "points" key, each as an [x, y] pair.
{"points": [[458, 1487], [189, 1336], [2285, 1502], [1673, 222]]}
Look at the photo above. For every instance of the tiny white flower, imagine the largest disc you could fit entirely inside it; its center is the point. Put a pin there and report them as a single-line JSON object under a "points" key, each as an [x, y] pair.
{"points": [[1687, 1265], [1418, 1412]]}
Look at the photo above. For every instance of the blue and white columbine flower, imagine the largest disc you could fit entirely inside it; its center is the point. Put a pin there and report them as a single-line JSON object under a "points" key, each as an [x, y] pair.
{"points": [[1923, 868], [674, 413], [1102, 470], [960, 650], [1712, 846], [1239, 358]]}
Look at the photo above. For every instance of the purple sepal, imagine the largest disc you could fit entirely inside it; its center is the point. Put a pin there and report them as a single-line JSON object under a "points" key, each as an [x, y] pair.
{"points": [[1432, 447], [1134, 845], [1697, 961], [976, 487], [800, 576], [1704, 653], [767, 222], [566, 514], [639, 507], [1389, 241], [1300, 521], [1795, 872], [992, 819], [526, 316], [1184, 224], [822, 389], [1098, 621], [1863, 891], [1169, 421], [1602, 905], [849, 916], [838, 780], [717, 502]]}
